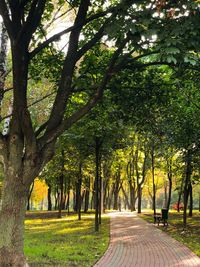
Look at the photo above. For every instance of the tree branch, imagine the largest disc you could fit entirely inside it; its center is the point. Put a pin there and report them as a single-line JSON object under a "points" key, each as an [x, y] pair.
{"points": [[64, 89], [30, 105], [33, 19], [4, 12], [53, 133], [57, 36], [94, 40]]}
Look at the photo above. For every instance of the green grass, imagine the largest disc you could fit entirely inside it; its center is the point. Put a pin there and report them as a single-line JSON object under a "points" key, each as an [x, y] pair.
{"points": [[64, 242], [190, 237]]}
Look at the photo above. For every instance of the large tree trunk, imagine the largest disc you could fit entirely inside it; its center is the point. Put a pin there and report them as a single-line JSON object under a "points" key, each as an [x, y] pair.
{"points": [[14, 201]]}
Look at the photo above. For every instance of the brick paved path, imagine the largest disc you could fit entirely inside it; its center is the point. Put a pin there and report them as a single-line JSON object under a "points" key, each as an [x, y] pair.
{"points": [[134, 242]]}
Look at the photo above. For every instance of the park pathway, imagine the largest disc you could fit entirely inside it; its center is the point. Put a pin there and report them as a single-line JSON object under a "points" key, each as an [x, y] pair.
{"points": [[136, 243]]}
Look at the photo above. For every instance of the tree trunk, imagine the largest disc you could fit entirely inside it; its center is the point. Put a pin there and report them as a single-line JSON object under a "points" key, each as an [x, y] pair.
{"points": [[61, 184], [60, 196], [74, 202], [3, 60], [169, 176], [191, 201], [79, 183], [130, 174], [139, 198], [179, 195], [126, 198], [117, 188], [199, 201], [12, 215], [29, 196], [49, 198], [110, 195], [68, 201], [87, 195], [140, 180], [97, 161], [186, 186], [132, 196], [153, 180]]}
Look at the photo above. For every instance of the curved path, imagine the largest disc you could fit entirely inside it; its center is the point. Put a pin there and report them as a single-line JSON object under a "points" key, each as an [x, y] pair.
{"points": [[136, 243]]}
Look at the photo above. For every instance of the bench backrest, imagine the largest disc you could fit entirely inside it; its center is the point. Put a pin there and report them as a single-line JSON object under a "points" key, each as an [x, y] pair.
{"points": [[164, 214]]}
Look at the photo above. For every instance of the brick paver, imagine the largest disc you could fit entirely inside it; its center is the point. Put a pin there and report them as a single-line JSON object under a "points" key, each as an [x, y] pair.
{"points": [[136, 243]]}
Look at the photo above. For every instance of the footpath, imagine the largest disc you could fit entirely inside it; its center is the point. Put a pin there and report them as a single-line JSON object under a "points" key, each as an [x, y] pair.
{"points": [[136, 243]]}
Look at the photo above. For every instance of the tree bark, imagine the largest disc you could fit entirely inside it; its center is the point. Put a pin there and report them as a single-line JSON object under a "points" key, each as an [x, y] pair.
{"points": [[12, 215]]}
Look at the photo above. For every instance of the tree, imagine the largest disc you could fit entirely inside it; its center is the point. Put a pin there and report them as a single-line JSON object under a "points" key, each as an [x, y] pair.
{"points": [[25, 150]]}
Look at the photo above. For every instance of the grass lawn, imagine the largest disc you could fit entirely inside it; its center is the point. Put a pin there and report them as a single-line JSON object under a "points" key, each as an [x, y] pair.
{"points": [[189, 237], [64, 242]]}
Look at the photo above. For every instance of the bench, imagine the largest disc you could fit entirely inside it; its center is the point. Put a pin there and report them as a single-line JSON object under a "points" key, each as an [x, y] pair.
{"points": [[161, 217]]}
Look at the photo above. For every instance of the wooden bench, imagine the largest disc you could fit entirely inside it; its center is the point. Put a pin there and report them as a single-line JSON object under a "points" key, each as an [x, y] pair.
{"points": [[161, 217]]}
